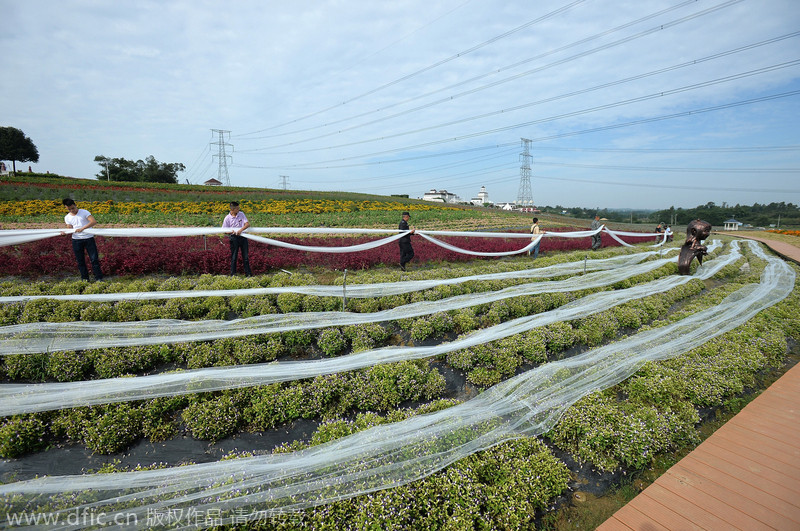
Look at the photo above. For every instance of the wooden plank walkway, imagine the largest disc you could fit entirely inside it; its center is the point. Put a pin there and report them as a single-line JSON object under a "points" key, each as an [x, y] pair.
{"points": [[745, 476]]}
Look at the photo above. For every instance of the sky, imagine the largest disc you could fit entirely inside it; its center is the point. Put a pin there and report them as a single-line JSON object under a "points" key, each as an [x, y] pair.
{"points": [[641, 104]]}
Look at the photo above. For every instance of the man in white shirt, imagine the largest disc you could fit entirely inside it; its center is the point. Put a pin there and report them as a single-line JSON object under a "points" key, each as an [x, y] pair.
{"points": [[237, 221], [83, 242]]}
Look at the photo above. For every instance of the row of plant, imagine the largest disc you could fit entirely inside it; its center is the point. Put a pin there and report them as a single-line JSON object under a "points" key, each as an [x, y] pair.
{"points": [[641, 431], [389, 220], [180, 255], [274, 207], [50, 186], [787, 232], [653, 412], [602, 429], [504, 487], [487, 364], [107, 363], [312, 276], [656, 410], [112, 428], [114, 362]]}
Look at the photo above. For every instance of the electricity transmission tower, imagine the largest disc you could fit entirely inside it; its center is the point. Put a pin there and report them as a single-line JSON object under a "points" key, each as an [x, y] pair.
{"points": [[525, 195], [222, 173], [284, 180]]}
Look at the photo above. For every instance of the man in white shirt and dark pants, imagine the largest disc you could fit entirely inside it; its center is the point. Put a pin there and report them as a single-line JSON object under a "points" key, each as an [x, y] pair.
{"points": [[237, 221], [82, 242]]}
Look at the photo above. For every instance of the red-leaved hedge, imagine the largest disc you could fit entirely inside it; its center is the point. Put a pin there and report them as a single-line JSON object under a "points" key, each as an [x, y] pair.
{"points": [[193, 255]]}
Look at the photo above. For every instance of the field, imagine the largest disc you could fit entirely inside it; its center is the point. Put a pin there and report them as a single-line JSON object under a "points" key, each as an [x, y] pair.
{"points": [[427, 403]]}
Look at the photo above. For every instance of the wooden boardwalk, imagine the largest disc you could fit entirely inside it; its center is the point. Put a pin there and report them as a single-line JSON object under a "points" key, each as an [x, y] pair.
{"points": [[745, 476]]}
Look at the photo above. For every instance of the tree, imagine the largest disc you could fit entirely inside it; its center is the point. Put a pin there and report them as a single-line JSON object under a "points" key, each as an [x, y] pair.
{"points": [[15, 146], [147, 171]]}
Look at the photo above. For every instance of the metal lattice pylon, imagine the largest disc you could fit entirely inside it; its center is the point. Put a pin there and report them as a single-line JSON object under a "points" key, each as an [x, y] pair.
{"points": [[222, 173], [525, 194]]}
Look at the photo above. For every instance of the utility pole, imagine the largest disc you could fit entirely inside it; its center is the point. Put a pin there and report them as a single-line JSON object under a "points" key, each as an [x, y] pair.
{"points": [[525, 195], [222, 173], [108, 176], [284, 181]]}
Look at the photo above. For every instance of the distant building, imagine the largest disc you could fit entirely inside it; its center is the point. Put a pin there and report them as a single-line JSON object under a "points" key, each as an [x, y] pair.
{"points": [[442, 196], [732, 224], [212, 182], [482, 199], [505, 206]]}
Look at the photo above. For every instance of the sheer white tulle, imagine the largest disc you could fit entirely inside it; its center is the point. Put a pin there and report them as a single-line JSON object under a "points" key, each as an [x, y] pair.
{"points": [[394, 454], [81, 335], [20, 236], [17, 399]]}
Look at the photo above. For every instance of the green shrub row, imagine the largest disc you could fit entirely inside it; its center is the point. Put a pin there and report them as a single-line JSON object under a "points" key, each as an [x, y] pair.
{"points": [[212, 416], [492, 362], [504, 487], [657, 408], [114, 362]]}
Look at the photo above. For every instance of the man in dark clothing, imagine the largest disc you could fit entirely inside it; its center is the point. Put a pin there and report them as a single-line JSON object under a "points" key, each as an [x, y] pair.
{"points": [[597, 242], [406, 251]]}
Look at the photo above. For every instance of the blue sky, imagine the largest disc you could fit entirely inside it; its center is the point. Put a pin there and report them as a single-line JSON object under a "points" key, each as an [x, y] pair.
{"points": [[637, 104]]}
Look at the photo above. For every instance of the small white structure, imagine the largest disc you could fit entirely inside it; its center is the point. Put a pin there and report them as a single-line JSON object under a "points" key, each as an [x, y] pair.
{"points": [[482, 199], [442, 196], [732, 224], [505, 206]]}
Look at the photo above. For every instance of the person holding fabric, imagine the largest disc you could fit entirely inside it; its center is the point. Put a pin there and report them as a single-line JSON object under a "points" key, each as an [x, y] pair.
{"points": [[659, 231], [82, 242], [536, 231], [596, 240], [406, 251], [237, 221]]}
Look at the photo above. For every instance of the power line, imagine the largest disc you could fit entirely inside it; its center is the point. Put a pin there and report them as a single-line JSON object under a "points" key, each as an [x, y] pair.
{"points": [[668, 169], [675, 150], [434, 65], [639, 99], [309, 165], [508, 67], [659, 185], [416, 157], [404, 37]]}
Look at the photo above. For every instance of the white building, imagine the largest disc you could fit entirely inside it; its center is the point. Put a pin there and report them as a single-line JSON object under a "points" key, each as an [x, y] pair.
{"points": [[442, 196], [505, 206], [732, 224], [482, 199]]}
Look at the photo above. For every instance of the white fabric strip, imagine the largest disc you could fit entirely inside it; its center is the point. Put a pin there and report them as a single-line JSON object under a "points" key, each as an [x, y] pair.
{"points": [[20, 236], [326, 249], [476, 253], [30, 338], [353, 290]]}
